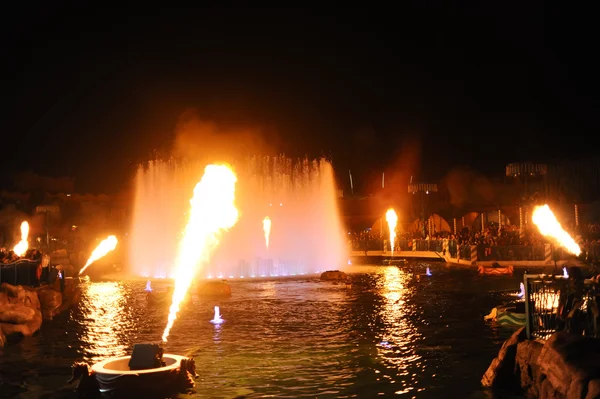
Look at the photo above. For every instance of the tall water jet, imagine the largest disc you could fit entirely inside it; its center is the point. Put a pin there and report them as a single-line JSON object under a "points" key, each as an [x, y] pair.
{"points": [[392, 220], [267, 230], [300, 195]]}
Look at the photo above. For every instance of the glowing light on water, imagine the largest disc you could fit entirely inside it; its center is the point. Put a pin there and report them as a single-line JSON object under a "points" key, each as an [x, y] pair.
{"points": [[565, 273], [22, 245], [428, 272], [148, 286], [212, 212], [107, 245], [392, 220], [217, 319], [546, 222], [267, 229]]}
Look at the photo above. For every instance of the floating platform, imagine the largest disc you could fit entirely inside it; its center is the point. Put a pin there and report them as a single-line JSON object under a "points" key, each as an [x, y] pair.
{"points": [[114, 374], [495, 270]]}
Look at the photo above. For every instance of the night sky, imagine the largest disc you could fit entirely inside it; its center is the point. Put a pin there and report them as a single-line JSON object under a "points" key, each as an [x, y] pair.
{"points": [[90, 93]]}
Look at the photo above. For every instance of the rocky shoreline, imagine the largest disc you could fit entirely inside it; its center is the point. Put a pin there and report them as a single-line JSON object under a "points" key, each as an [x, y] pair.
{"points": [[565, 366], [22, 309]]}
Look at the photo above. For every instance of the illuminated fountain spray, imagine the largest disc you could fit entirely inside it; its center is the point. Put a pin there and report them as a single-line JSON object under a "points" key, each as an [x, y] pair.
{"points": [[217, 318], [549, 227], [299, 194], [212, 211], [267, 229], [107, 245], [22, 245], [148, 286], [392, 220], [428, 272]]}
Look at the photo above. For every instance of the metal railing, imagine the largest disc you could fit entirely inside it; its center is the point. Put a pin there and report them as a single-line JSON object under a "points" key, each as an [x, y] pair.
{"points": [[557, 303]]}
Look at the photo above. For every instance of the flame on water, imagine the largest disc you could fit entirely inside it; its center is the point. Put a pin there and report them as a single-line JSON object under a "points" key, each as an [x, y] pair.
{"points": [[107, 245], [267, 229], [22, 245], [546, 222], [392, 220], [212, 210]]}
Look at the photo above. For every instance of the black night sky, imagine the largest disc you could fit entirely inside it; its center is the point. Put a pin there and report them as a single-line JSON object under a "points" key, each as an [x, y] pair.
{"points": [[90, 93]]}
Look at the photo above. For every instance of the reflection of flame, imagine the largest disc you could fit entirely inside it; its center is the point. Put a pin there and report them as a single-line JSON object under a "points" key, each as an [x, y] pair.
{"points": [[392, 219], [546, 222], [549, 300], [107, 319], [267, 229], [212, 211], [107, 245], [22, 245]]}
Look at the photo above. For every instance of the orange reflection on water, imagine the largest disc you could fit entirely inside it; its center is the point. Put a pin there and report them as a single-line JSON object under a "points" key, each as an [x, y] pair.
{"points": [[104, 309], [401, 335]]}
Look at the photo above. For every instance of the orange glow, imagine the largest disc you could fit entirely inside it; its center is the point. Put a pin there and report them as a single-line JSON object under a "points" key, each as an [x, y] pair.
{"points": [[22, 245], [392, 220], [267, 229], [546, 222], [107, 245], [212, 211]]}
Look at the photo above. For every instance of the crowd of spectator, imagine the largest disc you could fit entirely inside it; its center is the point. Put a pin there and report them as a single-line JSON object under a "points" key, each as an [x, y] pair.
{"points": [[494, 242]]}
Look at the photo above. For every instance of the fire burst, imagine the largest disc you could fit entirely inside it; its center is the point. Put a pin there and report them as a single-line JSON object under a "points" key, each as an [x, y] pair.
{"points": [[546, 222], [107, 245], [22, 245], [267, 229], [212, 211], [392, 220]]}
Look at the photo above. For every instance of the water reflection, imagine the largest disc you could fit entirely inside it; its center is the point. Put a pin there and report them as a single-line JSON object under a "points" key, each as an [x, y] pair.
{"points": [[387, 334], [104, 319], [400, 336]]}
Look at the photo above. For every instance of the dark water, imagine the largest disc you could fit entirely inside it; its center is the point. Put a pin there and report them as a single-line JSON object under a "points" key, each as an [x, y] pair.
{"points": [[389, 334]]}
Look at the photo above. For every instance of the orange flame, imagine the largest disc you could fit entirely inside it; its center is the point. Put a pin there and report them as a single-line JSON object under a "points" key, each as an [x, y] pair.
{"points": [[267, 229], [107, 245], [392, 220], [546, 222], [212, 211], [22, 245]]}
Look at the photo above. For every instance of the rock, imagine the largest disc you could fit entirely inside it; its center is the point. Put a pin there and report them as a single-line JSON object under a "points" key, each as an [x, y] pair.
{"points": [[593, 390], [500, 373], [19, 311], [16, 314], [20, 295], [570, 362], [527, 368], [51, 301], [334, 275]]}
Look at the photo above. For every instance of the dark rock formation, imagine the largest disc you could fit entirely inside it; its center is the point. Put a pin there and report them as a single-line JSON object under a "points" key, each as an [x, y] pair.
{"points": [[564, 366], [20, 311], [334, 275]]}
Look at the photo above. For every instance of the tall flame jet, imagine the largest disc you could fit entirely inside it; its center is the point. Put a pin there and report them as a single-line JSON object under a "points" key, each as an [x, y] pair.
{"points": [[22, 245], [546, 222], [392, 220], [212, 211], [107, 245]]}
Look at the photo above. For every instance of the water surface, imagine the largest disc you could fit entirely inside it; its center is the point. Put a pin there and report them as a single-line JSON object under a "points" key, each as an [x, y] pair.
{"points": [[392, 333]]}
